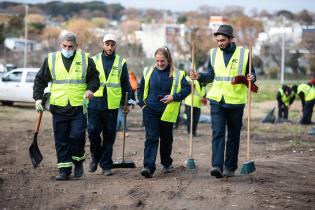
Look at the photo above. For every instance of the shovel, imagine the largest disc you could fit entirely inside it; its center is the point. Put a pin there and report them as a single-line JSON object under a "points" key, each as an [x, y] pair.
{"points": [[124, 163], [191, 162], [249, 166], [35, 154]]}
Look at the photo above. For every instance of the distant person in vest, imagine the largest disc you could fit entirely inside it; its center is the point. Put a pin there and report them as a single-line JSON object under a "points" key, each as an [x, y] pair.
{"points": [[306, 91], [227, 100], [161, 89], [285, 98], [103, 108], [72, 76], [199, 94]]}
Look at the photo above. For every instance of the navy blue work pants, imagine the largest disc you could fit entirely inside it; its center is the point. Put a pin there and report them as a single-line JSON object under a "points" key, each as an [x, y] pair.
{"points": [[69, 134], [222, 118], [156, 130], [102, 121]]}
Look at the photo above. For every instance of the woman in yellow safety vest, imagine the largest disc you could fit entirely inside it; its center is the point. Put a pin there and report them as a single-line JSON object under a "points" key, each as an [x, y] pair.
{"points": [[161, 90]]}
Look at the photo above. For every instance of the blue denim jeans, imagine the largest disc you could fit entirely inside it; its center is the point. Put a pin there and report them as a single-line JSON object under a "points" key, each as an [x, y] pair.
{"points": [[157, 130], [222, 118], [121, 119], [69, 133], [102, 121]]}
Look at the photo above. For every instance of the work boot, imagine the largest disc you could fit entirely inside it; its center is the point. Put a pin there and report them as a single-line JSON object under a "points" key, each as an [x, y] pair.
{"points": [[146, 173], [227, 173], [62, 176], [93, 166], [215, 171], [107, 172], [78, 171], [168, 169]]}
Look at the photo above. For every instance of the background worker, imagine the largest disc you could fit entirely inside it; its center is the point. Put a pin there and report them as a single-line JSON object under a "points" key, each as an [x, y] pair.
{"points": [[285, 97], [199, 93], [161, 89], [103, 108], [72, 74], [227, 100], [306, 91]]}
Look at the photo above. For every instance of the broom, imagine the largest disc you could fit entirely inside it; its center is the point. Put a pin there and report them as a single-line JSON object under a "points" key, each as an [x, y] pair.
{"points": [[249, 166], [191, 162], [124, 163]]}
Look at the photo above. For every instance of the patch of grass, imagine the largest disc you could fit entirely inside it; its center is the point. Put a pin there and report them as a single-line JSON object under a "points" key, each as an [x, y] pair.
{"points": [[298, 142]]}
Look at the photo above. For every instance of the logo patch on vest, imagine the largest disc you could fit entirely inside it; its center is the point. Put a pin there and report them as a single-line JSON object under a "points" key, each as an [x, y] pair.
{"points": [[78, 63], [235, 60]]}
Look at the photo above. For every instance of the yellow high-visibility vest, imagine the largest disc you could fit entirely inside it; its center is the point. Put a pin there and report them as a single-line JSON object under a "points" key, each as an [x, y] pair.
{"points": [[112, 83], [284, 98], [172, 109], [199, 93], [308, 90], [222, 86], [68, 86]]}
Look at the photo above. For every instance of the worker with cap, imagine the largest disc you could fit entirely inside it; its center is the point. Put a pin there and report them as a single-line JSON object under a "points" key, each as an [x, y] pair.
{"points": [[306, 91], [103, 108], [72, 76], [285, 98], [227, 99]]}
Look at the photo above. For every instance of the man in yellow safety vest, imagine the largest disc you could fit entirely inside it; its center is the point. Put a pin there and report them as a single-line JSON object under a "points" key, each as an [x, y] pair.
{"points": [[227, 99], [72, 76], [103, 108]]}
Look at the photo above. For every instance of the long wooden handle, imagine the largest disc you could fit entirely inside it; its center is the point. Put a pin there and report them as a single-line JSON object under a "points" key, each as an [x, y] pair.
{"points": [[38, 121], [249, 101], [192, 101], [124, 129], [191, 119]]}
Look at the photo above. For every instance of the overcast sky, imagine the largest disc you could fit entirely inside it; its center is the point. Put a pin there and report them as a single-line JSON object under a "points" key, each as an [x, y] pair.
{"points": [[186, 5]]}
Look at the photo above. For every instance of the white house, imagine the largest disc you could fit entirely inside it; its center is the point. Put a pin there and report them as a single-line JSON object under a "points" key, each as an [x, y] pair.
{"points": [[18, 44]]}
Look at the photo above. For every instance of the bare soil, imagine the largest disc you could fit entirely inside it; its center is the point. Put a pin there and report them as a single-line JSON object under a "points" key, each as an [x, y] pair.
{"points": [[284, 155]]}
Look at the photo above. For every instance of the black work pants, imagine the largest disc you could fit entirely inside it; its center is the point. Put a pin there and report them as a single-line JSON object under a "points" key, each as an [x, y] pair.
{"points": [[196, 116]]}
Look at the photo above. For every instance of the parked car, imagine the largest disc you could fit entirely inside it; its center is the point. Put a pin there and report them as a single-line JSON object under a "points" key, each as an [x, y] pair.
{"points": [[17, 86]]}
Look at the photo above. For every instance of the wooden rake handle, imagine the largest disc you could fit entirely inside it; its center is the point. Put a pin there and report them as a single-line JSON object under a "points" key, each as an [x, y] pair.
{"points": [[249, 101]]}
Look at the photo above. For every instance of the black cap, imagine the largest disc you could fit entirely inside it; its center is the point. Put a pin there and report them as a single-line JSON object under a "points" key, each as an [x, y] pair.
{"points": [[226, 30]]}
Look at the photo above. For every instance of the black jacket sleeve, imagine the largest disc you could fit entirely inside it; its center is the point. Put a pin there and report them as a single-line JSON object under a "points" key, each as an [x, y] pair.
{"points": [[253, 70], [125, 84], [92, 76], [302, 97], [184, 92], [43, 77]]}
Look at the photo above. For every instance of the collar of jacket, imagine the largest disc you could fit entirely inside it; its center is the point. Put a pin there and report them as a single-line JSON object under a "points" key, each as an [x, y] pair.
{"points": [[230, 48]]}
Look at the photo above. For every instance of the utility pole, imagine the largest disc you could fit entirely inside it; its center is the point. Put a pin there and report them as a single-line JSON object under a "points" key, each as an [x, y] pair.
{"points": [[25, 36], [282, 60]]}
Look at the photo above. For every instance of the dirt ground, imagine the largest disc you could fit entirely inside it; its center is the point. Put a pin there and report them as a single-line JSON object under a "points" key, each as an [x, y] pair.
{"points": [[284, 155]]}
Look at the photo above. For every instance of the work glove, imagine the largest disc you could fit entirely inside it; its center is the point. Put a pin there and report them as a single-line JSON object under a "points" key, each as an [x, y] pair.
{"points": [[85, 105], [38, 105]]}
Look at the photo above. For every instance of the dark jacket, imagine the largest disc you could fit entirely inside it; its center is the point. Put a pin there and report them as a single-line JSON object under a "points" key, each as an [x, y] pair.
{"points": [[208, 77], [43, 77], [100, 103], [160, 84]]}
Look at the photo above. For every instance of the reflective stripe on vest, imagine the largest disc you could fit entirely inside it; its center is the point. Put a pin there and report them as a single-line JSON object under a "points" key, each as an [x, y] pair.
{"points": [[67, 86], [112, 83], [222, 86], [172, 109]]}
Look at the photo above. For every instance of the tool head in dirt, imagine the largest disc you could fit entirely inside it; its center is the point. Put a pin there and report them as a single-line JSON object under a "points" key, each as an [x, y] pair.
{"points": [[124, 164], [190, 164], [248, 167], [35, 154]]}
